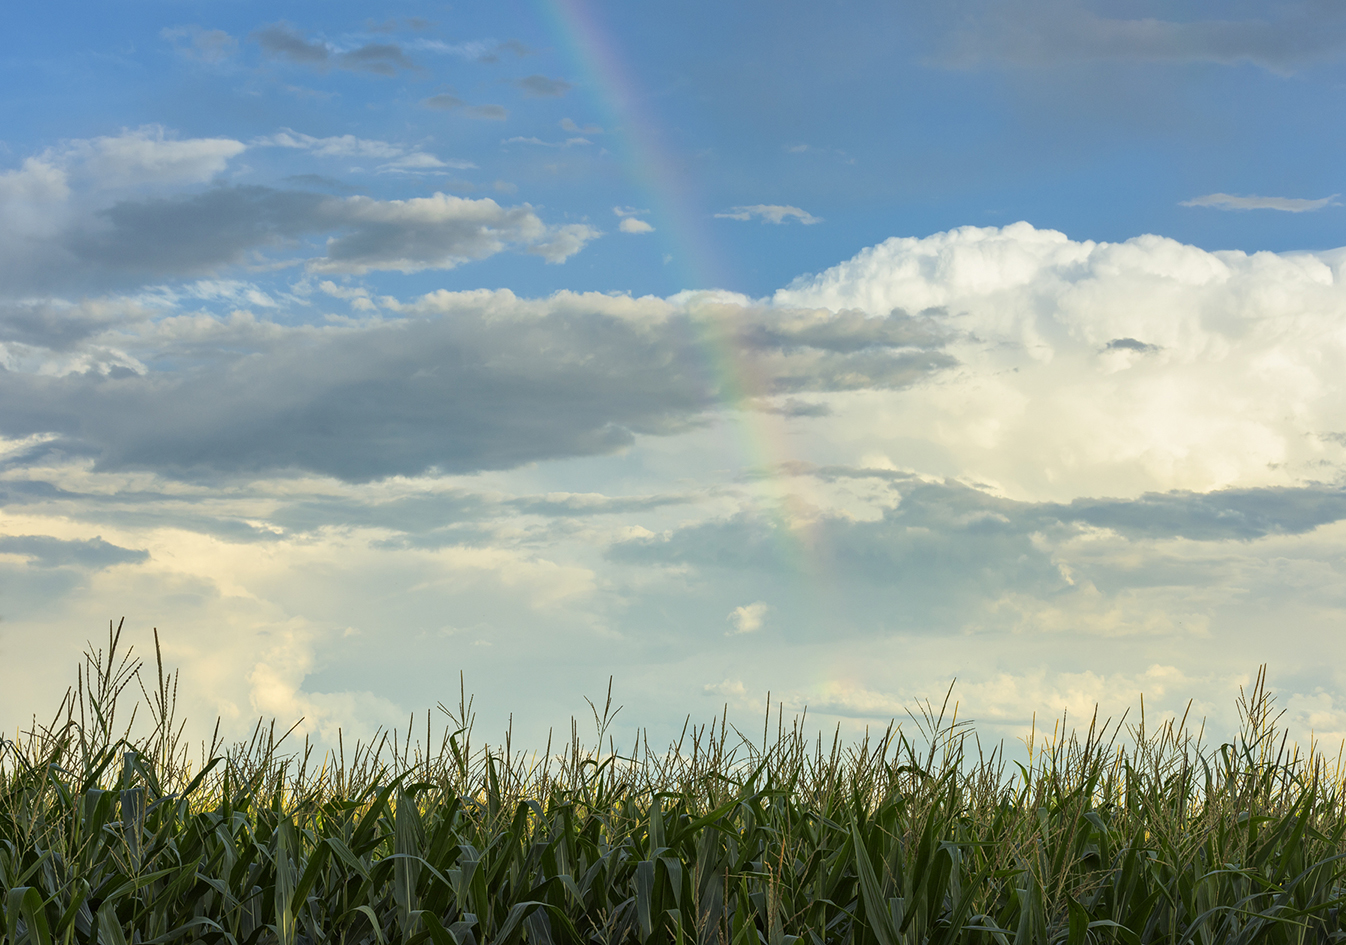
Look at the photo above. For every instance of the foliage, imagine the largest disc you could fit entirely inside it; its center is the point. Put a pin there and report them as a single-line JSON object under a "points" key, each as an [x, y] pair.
{"points": [[1116, 834]]}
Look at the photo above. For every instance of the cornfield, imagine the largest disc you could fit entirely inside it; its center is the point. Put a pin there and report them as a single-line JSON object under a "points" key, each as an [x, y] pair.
{"points": [[111, 833]]}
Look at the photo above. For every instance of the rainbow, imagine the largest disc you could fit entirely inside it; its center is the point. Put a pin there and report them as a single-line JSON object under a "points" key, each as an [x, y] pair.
{"points": [[683, 225]]}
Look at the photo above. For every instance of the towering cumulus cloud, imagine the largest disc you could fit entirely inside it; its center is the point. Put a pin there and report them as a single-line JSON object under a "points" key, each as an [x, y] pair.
{"points": [[1094, 368]]}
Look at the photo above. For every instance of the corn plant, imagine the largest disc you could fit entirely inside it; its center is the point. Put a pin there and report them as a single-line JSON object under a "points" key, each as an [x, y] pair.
{"points": [[110, 833]]}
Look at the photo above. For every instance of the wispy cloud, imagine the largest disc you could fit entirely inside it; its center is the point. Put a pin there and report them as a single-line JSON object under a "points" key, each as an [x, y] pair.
{"points": [[398, 159], [203, 45], [1254, 202], [1038, 34], [533, 139], [447, 100], [769, 213], [539, 86], [568, 124], [477, 50], [281, 41]]}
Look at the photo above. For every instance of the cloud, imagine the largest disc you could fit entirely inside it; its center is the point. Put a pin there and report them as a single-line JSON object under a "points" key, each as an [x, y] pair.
{"points": [[562, 242], [1113, 368], [939, 553], [444, 100], [1254, 202], [147, 155], [1130, 344], [203, 45], [748, 618], [769, 213], [632, 225], [1036, 35], [568, 143], [421, 162], [487, 112], [197, 233], [43, 551], [398, 158], [56, 194], [334, 146], [460, 382], [447, 100], [568, 124], [539, 86], [281, 41], [58, 325], [439, 232], [1066, 446], [58, 242], [477, 50]]}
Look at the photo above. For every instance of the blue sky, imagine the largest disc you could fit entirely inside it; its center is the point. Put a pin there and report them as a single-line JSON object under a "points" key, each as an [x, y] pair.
{"points": [[828, 349]]}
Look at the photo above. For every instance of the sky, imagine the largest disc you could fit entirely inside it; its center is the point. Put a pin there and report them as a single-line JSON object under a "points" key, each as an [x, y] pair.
{"points": [[838, 351]]}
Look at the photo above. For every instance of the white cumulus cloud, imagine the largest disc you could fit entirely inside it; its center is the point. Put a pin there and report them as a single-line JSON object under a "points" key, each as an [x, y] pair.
{"points": [[748, 618], [1110, 368]]}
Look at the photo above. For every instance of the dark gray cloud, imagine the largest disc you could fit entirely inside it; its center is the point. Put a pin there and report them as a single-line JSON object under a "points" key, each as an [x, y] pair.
{"points": [[947, 533], [55, 325], [1130, 344], [790, 407], [1033, 33], [196, 234], [924, 565], [477, 382], [580, 505], [1242, 514], [283, 42], [488, 112], [540, 86], [319, 180], [45, 552], [444, 100]]}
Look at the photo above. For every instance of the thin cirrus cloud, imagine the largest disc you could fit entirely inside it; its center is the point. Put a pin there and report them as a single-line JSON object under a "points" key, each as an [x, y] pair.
{"points": [[1255, 202], [398, 158], [540, 86], [530, 139], [476, 50], [769, 213], [447, 101], [203, 45], [282, 42], [569, 124], [1030, 34]]}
